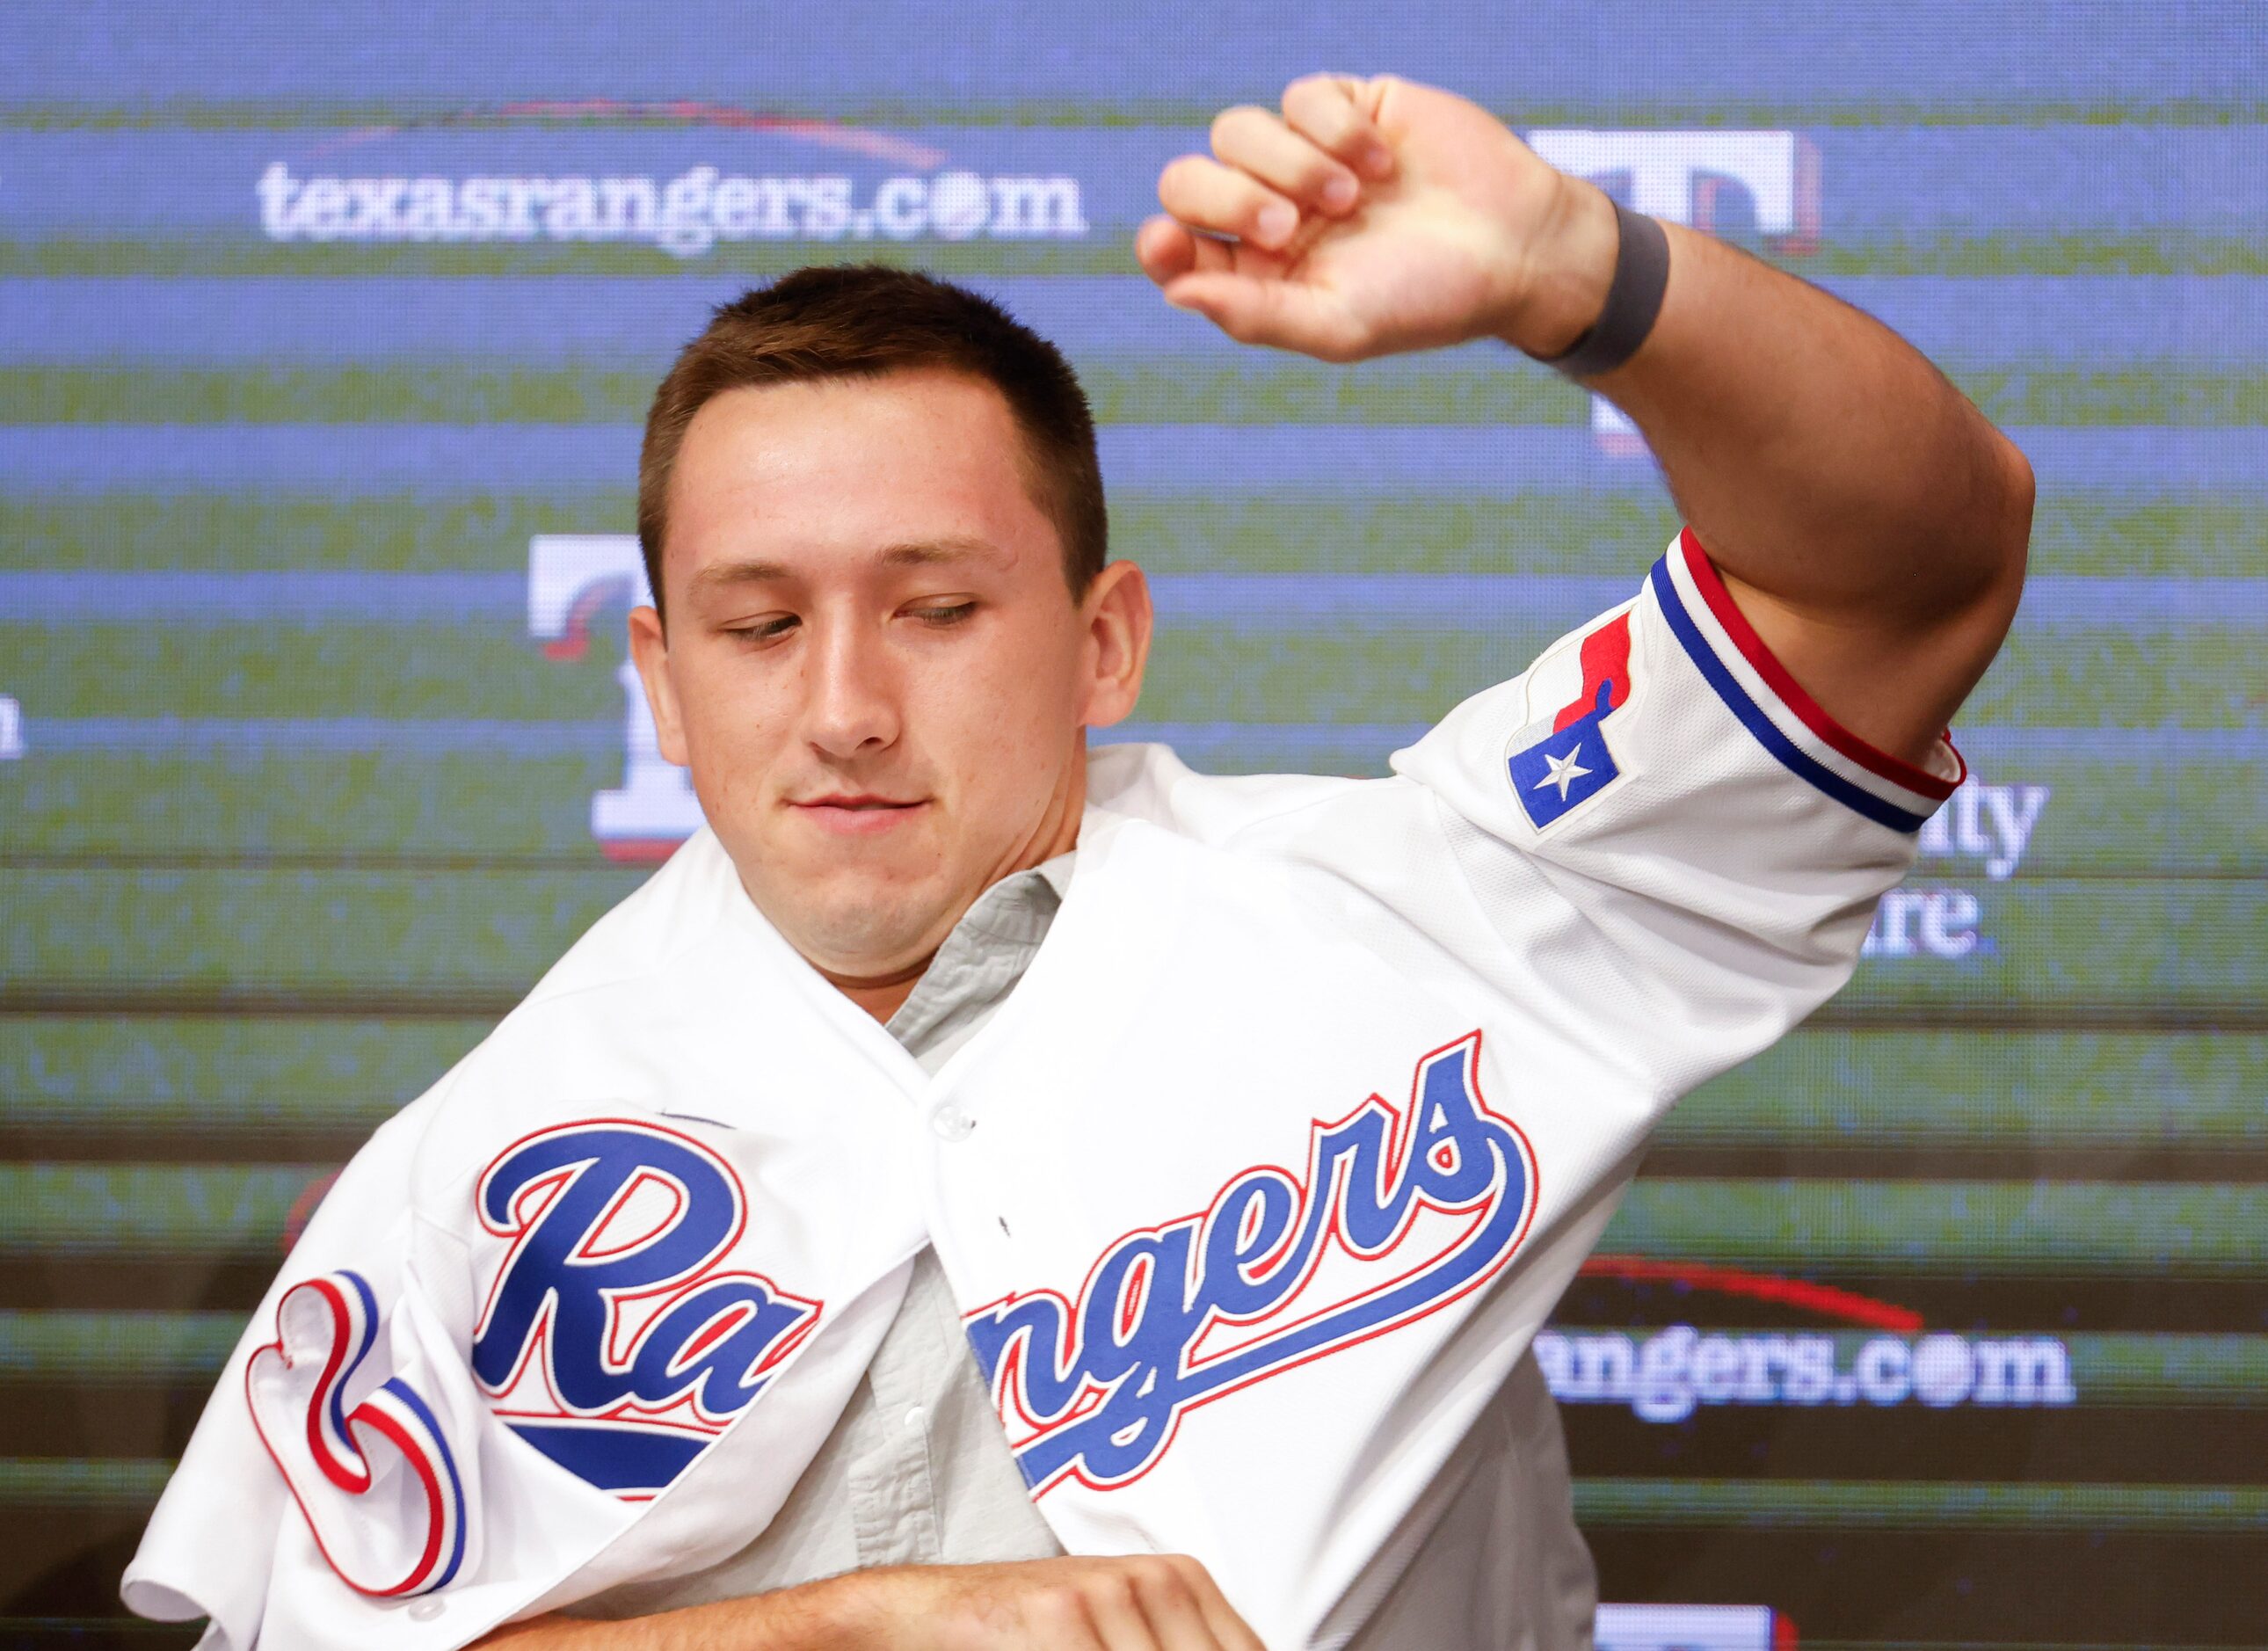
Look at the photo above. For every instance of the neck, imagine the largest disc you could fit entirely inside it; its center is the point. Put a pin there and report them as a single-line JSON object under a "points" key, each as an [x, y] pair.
{"points": [[881, 996]]}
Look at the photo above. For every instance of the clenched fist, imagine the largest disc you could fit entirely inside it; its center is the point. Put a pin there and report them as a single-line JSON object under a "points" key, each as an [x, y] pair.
{"points": [[1377, 215]]}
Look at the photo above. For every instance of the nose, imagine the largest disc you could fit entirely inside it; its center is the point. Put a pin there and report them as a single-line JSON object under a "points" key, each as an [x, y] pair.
{"points": [[850, 701]]}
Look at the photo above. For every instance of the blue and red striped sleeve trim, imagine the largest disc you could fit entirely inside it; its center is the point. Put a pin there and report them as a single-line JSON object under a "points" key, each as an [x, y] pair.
{"points": [[1786, 721]]}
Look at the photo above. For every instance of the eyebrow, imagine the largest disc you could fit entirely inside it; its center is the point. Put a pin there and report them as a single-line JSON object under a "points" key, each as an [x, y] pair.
{"points": [[909, 553], [952, 549]]}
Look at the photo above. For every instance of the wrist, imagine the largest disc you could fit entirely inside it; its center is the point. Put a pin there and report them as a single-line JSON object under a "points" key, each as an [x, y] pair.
{"points": [[857, 1608], [1571, 268], [850, 1611]]}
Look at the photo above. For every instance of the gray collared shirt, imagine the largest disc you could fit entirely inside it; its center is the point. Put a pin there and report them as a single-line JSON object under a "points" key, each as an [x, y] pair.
{"points": [[916, 1470]]}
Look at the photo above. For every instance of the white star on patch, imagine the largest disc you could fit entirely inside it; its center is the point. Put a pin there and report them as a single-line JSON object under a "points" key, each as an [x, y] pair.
{"points": [[1565, 770]]}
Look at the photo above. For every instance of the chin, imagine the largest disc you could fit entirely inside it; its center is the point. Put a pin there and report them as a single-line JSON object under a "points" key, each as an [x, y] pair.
{"points": [[860, 924]]}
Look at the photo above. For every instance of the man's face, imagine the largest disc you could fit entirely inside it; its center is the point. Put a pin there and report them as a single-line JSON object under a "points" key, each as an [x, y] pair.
{"points": [[874, 666]]}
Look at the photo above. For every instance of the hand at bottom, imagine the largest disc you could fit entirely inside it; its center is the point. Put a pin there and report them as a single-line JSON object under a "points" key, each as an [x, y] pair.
{"points": [[1145, 1602]]}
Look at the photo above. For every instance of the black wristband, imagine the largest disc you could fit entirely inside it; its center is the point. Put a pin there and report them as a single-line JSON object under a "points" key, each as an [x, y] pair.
{"points": [[1633, 300]]}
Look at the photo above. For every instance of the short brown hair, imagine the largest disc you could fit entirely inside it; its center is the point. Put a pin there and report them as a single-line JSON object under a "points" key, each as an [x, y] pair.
{"points": [[863, 321]]}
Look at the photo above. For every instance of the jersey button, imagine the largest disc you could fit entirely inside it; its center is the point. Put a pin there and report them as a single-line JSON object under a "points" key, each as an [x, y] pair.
{"points": [[427, 1608], [952, 1123]]}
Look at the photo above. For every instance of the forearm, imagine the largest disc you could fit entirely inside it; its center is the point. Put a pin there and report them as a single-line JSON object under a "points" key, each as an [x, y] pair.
{"points": [[1817, 455], [1134, 1602], [825, 1614]]}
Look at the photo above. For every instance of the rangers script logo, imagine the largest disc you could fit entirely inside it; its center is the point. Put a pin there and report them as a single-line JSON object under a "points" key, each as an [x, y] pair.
{"points": [[612, 1341], [1426, 1203]]}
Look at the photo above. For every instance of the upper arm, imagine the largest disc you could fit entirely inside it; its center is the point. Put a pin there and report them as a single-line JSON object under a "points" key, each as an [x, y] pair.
{"points": [[1893, 673]]}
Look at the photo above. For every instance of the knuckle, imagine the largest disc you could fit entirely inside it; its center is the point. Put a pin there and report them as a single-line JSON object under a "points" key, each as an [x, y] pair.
{"points": [[1057, 1607], [1248, 211], [1231, 119], [1164, 1583], [1178, 179], [1115, 1586], [1323, 102]]}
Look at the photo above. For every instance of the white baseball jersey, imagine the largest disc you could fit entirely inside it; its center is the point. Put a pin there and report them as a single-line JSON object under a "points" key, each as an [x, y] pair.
{"points": [[1313, 1100]]}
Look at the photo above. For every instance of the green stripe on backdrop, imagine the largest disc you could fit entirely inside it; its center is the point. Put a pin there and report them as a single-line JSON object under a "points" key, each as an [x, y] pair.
{"points": [[464, 804], [2080, 947], [2153, 676], [1890, 1091], [116, 1347], [191, 114], [235, 1073], [2107, 1370], [487, 932], [2055, 1229], [1541, 530], [72, 1482], [337, 670], [1107, 252], [1153, 390], [2023, 1229], [1916, 1504], [2051, 1090], [248, 531], [148, 1210]]}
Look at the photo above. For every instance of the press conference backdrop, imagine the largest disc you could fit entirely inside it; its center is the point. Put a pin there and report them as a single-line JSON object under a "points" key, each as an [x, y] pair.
{"points": [[324, 343]]}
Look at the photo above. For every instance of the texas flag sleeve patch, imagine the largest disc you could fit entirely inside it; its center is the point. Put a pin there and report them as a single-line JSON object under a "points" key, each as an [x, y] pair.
{"points": [[1572, 763]]}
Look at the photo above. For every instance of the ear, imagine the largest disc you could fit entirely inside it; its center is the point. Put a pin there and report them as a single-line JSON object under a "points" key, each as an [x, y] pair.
{"points": [[650, 650], [1118, 619]]}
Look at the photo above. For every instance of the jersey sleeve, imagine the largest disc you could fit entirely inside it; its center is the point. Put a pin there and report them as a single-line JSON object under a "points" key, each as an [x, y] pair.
{"points": [[1672, 780]]}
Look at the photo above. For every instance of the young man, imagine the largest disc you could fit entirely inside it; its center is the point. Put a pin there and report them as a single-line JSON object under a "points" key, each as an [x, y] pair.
{"points": [[1243, 1130]]}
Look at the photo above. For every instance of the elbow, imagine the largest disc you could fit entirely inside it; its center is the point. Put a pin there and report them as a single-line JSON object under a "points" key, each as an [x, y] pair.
{"points": [[2017, 494], [2004, 536]]}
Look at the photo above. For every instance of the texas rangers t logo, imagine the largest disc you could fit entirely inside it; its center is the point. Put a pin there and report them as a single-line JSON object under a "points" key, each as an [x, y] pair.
{"points": [[612, 1341], [1176, 1316]]}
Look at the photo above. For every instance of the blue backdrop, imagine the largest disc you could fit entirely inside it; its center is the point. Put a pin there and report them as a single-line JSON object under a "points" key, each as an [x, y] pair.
{"points": [[325, 340]]}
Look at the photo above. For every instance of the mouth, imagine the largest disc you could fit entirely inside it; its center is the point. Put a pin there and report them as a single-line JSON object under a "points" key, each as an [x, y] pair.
{"points": [[858, 814]]}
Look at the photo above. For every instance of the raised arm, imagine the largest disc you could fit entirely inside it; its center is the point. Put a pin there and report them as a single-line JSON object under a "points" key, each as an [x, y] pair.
{"points": [[1870, 523]]}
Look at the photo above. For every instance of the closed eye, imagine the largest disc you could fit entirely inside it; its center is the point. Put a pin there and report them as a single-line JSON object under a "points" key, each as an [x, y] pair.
{"points": [[764, 630], [944, 614]]}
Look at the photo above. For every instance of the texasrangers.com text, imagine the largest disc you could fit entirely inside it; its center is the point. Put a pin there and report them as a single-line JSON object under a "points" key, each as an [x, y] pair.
{"points": [[686, 215], [1665, 1375]]}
